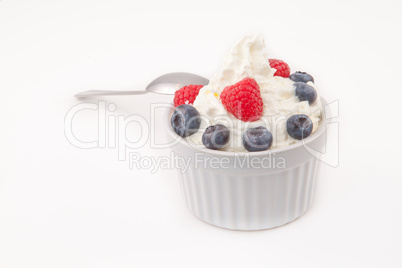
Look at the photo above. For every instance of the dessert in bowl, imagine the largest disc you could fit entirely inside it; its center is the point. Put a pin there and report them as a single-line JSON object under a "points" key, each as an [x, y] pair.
{"points": [[250, 140]]}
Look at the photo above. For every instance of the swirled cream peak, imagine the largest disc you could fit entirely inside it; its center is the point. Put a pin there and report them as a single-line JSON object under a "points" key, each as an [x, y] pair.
{"points": [[246, 59]]}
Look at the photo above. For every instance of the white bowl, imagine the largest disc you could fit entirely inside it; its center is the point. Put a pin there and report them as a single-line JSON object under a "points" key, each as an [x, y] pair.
{"points": [[244, 197]]}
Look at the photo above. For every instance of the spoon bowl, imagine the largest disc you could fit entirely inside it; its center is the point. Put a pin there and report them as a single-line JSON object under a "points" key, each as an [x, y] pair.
{"points": [[166, 84]]}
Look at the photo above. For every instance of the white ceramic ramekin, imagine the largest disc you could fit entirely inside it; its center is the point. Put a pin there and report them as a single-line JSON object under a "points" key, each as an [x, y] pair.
{"points": [[252, 196]]}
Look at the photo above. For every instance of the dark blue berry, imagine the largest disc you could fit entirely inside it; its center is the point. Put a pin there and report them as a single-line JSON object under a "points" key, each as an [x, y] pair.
{"points": [[301, 77], [305, 92], [216, 137], [299, 126], [257, 139], [185, 120]]}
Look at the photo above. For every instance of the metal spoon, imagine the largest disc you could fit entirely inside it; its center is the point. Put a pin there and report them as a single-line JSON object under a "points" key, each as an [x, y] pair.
{"points": [[165, 84]]}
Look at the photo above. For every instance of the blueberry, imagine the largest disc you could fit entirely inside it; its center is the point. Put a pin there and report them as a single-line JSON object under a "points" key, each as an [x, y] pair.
{"points": [[216, 137], [257, 139], [305, 92], [301, 77], [185, 120], [299, 126]]}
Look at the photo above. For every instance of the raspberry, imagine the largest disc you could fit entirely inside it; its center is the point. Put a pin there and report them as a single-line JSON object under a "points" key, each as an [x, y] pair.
{"points": [[186, 95], [243, 100], [282, 68]]}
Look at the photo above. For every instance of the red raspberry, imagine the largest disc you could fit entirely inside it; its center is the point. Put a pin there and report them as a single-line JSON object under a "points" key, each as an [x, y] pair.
{"points": [[282, 68], [186, 95], [243, 100]]}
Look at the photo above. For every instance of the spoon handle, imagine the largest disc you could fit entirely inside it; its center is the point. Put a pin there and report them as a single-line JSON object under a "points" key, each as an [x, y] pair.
{"points": [[108, 92]]}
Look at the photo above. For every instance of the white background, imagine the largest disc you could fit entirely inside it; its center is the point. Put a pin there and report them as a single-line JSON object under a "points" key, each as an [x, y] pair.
{"points": [[62, 206]]}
